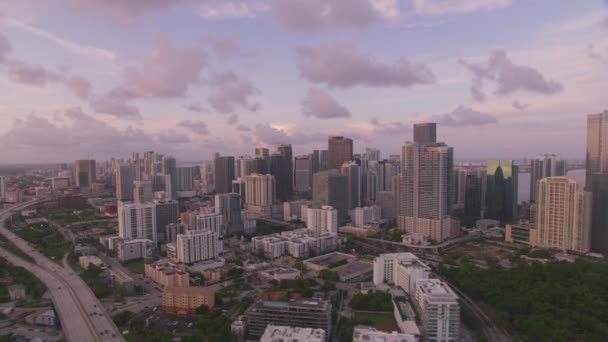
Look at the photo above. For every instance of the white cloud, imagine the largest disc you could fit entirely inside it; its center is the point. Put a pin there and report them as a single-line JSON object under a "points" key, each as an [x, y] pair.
{"points": [[232, 9], [446, 7]]}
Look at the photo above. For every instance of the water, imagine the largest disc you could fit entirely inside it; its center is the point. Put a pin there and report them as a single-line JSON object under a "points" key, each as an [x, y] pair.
{"points": [[523, 191]]}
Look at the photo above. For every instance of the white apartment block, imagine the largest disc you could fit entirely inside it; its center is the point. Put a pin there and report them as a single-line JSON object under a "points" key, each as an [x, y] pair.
{"points": [[278, 333], [366, 215], [198, 245], [439, 310], [363, 333], [385, 266], [137, 221], [211, 221], [322, 220], [298, 243]]}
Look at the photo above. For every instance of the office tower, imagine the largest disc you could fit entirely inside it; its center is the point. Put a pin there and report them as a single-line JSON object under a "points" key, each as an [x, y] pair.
{"points": [[439, 310], [162, 182], [371, 154], [547, 165], [597, 178], [461, 173], [184, 178], [223, 173], [371, 186], [563, 216], [3, 187], [198, 245], [303, 171], [331, 188], [167, 212], [352, 171], [426, 181], [501, 190], [238, 187], [125, 176], [287, 153], [229, 205], [137, 221], [142, 191], [322, 220], [386, 201], [260, 192], [279, 168], [171, 231], [260, 165], [168, 168], [385, 170], [262, 152], [85, 173], [315, 163], [302, 313], [207, 176], [472, 196], [339, 151], [425, 133], [323, 160], [149, 160], [243, 166]]}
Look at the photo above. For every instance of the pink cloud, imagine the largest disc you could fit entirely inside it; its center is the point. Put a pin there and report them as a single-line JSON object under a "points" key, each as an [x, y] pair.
{"points": [[37, 75], [230, 92], [339, 64], [80, 86], [115, 103], [322, 105]]}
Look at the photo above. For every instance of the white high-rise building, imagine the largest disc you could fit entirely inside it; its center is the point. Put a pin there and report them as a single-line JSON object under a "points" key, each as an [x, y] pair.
{"points": [[563, 215], [371, 154], [260, 193], [367, 215], [324, 219], [137, 221], [439, 310], [211, 221], [243, 166], [198, 245]]}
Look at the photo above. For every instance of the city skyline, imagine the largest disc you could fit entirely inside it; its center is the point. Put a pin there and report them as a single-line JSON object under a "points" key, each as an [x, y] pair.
{"points": [[187, 78]]}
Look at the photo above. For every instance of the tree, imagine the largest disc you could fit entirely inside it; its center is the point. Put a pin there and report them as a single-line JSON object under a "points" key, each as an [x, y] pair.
{"points": [[202, 310]]}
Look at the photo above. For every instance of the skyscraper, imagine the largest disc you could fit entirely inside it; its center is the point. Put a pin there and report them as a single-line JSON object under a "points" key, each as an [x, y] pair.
{"points": [[563, 216], [340, 150], [260, 165], [279, 168], [84, 173], [229, 205], [287, 153], [184, 178], [260, 192], [125, 175], [168, 168], [167, 212], [426, 182], [303, 174], [596, 180], [501, 190], [2, 187], [223, 172], [547, 165], [243, 166], [352, 171], [371, 154], [425, 133], [473, 195], [331, 188], [142, 191], [137, 221], [262, 152]]}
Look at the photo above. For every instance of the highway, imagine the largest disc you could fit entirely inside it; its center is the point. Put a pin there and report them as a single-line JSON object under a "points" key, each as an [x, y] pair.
{"points": [[82, 316]]}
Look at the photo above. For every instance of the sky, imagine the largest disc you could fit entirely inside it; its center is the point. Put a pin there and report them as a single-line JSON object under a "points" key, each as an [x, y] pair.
{"points": [[102, 78]]}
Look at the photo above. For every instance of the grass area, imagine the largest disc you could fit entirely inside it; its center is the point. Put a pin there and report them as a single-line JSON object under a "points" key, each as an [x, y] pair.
{"points": [[19, 275], [66, 217], [46, 239], [376, 319], [9, 246], [136, 266]]}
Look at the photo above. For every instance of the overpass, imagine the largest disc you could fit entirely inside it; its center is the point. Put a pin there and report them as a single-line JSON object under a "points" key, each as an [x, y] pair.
{"points": [[82, 316]]}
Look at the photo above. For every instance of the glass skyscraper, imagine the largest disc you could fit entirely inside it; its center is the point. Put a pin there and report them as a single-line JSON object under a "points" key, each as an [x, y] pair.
{"points": [[501, 190]]}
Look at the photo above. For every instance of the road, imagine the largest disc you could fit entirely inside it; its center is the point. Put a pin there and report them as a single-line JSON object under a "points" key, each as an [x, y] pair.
{"points": [[80, 312], [441, 245]]}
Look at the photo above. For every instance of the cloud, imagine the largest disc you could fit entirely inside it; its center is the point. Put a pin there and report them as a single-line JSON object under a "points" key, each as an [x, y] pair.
{"points": [[597, 56], [243, 128], [78, 135], [124, 10], [115, 103], [80, 86], [224, 48], [230, 92], [168, 71], [232, 9], [464, 116], [232, 119], [312, 15], [509, 78], [446, 7], [267, 134], [322, 105], [195, 107], [520, 106], [171, 137], [389, 128], [36, 75], [76, 48], [340, 65], [196, 126], [5, 48]]}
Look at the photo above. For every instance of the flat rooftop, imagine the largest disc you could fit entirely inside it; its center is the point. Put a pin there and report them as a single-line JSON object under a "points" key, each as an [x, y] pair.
{"points": [[330, 258]]}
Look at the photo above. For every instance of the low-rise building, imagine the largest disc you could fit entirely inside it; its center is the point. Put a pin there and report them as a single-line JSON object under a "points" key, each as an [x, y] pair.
{"points": [[522, 232], [279, 273], [134, 249], [16, 291], [121, 279], [364, 333], [279, 333], [47, 318], [484, 224], [405, 316], [298, 243], [86, 260], [329, 260], [239, 326], [185, 300], [401, 269], [359, 231], [166, 273]]}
